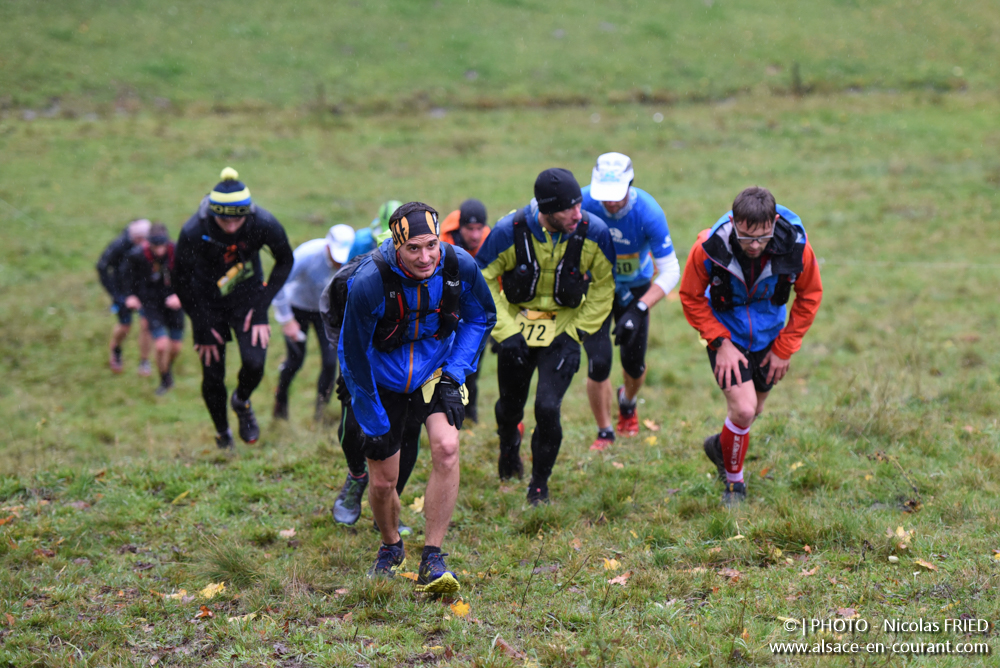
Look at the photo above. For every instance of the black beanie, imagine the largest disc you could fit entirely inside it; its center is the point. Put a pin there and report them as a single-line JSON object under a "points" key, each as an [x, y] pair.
{"points": [[472, 211], [556, 190]]}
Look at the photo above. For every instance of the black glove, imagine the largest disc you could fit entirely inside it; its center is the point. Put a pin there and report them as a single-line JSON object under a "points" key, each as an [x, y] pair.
{"points": [[630, 325], [342, 392], [450, 396], [517, 347]]}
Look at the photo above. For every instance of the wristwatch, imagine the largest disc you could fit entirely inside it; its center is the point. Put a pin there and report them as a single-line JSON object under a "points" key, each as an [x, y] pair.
{"points": [[715, 343], [642, 306]]}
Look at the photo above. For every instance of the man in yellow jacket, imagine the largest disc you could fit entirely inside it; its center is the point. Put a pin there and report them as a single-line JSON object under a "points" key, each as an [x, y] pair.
{"points": [[550, 267]]}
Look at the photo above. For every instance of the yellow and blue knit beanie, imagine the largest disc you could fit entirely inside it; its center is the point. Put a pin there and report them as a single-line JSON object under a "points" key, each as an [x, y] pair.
{"points": [[230, 197]]}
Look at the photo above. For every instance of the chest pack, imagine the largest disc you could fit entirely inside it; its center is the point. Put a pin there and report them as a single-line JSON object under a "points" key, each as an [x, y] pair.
{"points": [[160, 267], [392, 326], [785, 264], [571, 283]]}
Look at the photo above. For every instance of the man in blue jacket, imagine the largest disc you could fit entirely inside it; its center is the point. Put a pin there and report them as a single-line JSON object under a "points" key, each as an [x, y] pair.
{"points": [[418, 315]]}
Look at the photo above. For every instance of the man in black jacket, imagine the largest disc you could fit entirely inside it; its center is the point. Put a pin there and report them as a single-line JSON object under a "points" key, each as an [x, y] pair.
{"points": [[220, 283], [110, 272], [149, 274]]}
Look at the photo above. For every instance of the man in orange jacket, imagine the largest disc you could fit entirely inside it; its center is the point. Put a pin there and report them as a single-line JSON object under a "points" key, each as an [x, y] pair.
{"points": [[735, 286], [466, 228]]}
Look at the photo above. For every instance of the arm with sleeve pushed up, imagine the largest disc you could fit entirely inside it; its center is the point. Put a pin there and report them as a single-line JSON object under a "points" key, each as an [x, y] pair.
{"points": [[697, 310], [479, 315], [808, 295], [364, 307], [282, 302], [601, 294]]}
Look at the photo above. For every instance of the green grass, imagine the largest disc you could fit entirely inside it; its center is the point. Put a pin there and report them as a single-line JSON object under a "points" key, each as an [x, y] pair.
{"points": [[112, 498], [84, 57], [895, 389]]}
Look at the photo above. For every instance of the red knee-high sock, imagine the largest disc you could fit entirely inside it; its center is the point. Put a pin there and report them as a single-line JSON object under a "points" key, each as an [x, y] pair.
{"points": [[735, 440]]}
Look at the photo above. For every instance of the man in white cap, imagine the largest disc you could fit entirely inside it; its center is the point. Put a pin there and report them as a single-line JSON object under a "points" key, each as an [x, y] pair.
{"points": [[297, 307], [642, 241]]}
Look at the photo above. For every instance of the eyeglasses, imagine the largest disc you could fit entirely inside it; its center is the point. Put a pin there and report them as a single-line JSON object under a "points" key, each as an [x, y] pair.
{"points": [[762, 239]]}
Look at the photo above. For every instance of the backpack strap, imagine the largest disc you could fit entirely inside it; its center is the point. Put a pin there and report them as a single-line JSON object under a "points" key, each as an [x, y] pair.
{"points": [[571, 282], [451, 293], [520, 282], [390, 328]]}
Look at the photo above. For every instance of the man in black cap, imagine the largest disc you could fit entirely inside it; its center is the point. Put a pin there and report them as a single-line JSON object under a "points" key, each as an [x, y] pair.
{"points": [[466, 228], [220, 281], [549, 256]]}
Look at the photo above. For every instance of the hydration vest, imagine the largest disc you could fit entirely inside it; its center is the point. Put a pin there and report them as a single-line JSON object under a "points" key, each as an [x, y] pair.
{"points": [[392, 326], [786, 264], [166, 263], [520, 282]]}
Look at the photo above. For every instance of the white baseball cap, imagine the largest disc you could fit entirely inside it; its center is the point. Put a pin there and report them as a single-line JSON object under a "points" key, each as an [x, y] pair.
{"points": [[611, 177], [339, 240]]}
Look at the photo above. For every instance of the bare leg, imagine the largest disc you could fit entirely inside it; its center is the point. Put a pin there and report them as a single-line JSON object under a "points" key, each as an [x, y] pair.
{"points": [[382, 475], [163, 354], [632, 386], [599, 394], [442, 486], [741, 403], [118, 335]]}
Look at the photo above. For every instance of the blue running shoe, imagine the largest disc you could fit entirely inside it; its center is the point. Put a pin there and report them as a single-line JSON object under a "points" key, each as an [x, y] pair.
{"points": [[434, 576], [389, 561]]}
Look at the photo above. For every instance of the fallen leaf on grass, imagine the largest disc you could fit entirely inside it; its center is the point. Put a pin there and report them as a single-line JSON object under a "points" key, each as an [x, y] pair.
{"points": [[212, 589], [79, 505], [621, 579], [418, 505], [618, 465], [848, 613], [893, 559], [7, 520], [180, 497], [204, 612], [650, 425], [409, 576], [809, 572], [796, 465], [44, 552], [287, 533], [577, 545], [738, 536], [551, 568], [245, 618], [695, 570], [611, 565], [10, 619], [508, 649], [173, 597], [671, 490], [996, 555], [650, 440], [807, 549], [715, 550], [730, 573], [341, 592], [926, 564], [764, 471], [460, 608], [968, 428]]}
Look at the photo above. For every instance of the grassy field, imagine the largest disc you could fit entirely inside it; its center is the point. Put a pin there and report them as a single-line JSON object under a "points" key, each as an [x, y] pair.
{"points": [[73, 58], [882, 442]]}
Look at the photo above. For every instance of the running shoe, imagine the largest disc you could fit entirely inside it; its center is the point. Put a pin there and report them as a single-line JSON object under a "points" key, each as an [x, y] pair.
{"points": [[249, 429], [604, 439], [735, 494], [390, 560], [628, 417], [538, 492], [434, 577], [115, 361], [224, 440], [347, 507], [713, 450], [166, 383], [145, 369]]}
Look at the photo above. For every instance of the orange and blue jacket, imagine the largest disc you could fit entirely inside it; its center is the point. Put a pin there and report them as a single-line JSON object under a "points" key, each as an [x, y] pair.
{"points": [[451, 235], [752, 318]]}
